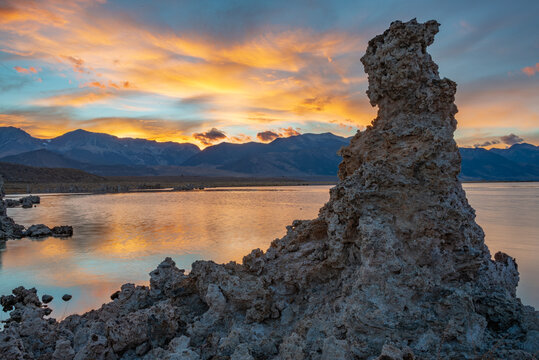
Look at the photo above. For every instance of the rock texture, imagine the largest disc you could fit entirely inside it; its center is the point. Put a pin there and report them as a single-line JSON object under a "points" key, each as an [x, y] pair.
{"points": [[10, 230], [394, 267]]}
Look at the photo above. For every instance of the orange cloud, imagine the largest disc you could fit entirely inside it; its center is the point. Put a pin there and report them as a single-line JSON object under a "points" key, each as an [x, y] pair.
{"points": [[531, 70], [210, 137], [77, 63], [110, 84], [95, 84], [75, 99], [47, 124], [300, 76], [241, 138], [269, 135], [289, 132], [22, 70], [287, 72], [27, 11]]}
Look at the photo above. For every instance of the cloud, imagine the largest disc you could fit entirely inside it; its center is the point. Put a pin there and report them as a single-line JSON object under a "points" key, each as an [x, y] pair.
{"points": [[316, 103], [289, 132], [95, 84], [241, 138], [22, 70], [77, 63], [487, 143], [76, 99], [285, 70], [47, 122], [209, 137], [267, 136], [253, 65], [511, 139], [531, 70], [110, 84]]}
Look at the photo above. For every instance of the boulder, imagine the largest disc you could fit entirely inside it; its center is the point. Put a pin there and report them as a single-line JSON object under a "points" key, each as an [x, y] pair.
{"points": [[62, 231], [38, 231], [11, 203], [29, 201]]}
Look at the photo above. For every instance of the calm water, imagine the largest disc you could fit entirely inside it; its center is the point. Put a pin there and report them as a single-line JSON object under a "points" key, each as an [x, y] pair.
{"points": [[120, 238]]}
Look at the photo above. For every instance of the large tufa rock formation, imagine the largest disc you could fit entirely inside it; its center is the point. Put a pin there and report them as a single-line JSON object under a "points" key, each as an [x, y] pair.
{"points": [[394, 266]]}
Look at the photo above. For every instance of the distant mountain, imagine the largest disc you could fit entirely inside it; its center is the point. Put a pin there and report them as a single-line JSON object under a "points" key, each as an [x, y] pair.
{"points": [[496, 165], [98, 149], [306, 155], [47, 159], [104, 149], [43, 158], [301, 155], [520, 153], [15, 141]]}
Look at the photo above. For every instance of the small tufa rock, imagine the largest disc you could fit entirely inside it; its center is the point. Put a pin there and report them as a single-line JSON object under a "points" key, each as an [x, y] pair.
{"points": [[29, 201], [10, 230], [46, 298], [38, 231], [66, 297], [62, 231]]}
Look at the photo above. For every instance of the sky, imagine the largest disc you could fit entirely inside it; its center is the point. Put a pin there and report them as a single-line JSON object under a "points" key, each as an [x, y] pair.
{"points": [[211, 71]]}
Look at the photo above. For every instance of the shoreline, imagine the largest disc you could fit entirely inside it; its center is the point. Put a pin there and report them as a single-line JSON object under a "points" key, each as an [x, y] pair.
{"points": [[145, 185]]}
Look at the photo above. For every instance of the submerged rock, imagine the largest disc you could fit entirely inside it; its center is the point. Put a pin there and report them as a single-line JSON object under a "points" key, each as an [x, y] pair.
{"points": [[394, 267], [62, 231]]}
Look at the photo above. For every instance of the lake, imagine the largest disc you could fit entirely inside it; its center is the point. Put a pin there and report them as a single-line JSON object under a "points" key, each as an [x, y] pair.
{"points": [[120, 238]]}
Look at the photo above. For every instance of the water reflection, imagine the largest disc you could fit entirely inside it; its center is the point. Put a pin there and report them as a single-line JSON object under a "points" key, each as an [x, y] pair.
{"points": [[122, 237]]}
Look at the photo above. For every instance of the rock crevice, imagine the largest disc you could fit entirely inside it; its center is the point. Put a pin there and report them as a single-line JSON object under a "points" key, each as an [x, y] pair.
{"points": [[394, 267]]}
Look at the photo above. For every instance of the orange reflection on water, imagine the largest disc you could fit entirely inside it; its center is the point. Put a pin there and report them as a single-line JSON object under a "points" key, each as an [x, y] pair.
{"points": [[120, 238]]}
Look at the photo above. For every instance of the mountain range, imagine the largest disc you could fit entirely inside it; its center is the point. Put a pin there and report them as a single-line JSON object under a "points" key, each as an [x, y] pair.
{"points": [[306, 155]]}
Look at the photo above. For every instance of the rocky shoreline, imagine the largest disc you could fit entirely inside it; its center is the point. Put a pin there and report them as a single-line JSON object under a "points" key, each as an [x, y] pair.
{"points": [[394, 267], [10, 230]]}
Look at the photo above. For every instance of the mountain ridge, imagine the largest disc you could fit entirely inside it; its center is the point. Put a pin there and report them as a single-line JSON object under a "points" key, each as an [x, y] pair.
{"points": [[303, 155]]}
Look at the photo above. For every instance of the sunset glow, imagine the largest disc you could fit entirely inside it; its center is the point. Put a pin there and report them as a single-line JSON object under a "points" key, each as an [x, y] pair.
{"points": [[132, 69]]}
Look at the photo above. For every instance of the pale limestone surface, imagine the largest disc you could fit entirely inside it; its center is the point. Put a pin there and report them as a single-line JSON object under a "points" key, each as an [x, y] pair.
{"points": [[394, 267]]}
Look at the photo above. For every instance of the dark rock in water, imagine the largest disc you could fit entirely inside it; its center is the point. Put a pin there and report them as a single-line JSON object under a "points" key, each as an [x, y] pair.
{"points": [[29, 201], [66, 297], [10, 230], [38, 231], [62, 231], [46, 298], [26, 202], [11, 203], [394, 267]]}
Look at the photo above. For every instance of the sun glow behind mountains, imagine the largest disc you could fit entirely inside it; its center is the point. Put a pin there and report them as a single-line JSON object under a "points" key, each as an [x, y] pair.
{"points": [[176, 72]]}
